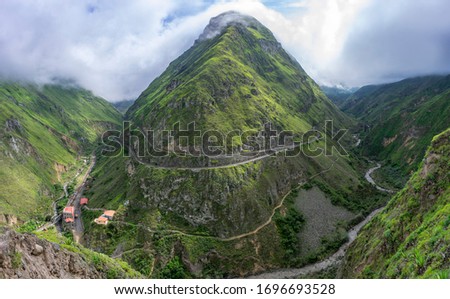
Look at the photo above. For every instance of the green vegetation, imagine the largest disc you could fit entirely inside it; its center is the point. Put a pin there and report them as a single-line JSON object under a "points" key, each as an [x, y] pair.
{"points": [[29, 226], [289, 221], [17, 260], [113, 268], [337, 95], [238, 80], [174, 270], [44, 131], [389, 177], [288, 227], [178, 223], [400, 119], [410, 237], [362, 200]]}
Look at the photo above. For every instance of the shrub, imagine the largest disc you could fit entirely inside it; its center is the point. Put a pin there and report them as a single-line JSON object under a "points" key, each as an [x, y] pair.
{"points": [[112, 273], [288, 228], [174, 269], [17, 260]]}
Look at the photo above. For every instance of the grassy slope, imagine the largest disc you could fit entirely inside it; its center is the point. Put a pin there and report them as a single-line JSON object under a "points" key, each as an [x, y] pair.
{"points": [[41, 128], [264, 250], [237, 80], [410, 237], [403, 116]]}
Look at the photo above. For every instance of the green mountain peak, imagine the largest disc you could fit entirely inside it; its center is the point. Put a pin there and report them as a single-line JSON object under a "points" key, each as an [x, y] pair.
{"points": [[236, 76], [231, 18]]}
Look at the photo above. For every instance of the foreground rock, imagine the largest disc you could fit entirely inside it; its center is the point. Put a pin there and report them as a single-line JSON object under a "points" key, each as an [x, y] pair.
{"points": [[27, 256]]}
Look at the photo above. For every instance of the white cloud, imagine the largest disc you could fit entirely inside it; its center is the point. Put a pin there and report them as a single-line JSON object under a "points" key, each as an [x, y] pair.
{"points": [[116, 48], [316, 34]]}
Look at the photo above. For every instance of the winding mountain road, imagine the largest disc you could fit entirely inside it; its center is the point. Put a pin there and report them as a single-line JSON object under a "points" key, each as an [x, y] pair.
{"points": [[333, 260], [274, 151], [336, 258], [240, 236]]}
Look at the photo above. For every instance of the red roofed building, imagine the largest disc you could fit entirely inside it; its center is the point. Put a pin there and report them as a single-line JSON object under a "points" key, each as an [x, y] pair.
{"points": [[105, 217], [109, 214], [84, 201], [69, 212], [101, 220]]}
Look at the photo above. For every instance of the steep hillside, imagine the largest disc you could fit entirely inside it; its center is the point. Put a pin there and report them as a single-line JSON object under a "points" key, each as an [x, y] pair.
{"points": [[44, 130], [226, 216], [27, 256], [236, 77], [401, 118], [123, 106], [338, 95], [410, 237]]}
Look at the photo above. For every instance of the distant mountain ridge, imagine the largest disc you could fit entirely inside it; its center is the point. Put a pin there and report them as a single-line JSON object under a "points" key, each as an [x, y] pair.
{"points": [[401, 118], [336, 94], [122, 106]]}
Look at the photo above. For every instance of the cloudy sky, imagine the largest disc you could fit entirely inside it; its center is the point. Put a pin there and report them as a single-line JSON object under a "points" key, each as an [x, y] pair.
{"points": [[116, 48]]}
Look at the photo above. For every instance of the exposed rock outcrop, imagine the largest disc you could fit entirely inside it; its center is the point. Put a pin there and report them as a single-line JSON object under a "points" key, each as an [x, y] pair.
{"points": [[27, 256], [9, 220]]}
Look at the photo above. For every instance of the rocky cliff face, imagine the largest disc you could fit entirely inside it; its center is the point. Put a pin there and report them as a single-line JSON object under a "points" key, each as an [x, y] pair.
{"points": [[27, 256]]}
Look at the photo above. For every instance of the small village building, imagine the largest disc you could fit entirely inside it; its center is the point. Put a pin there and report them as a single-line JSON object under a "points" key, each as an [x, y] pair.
{"points": [[101, 220], [109, 214], [69, 212], [105, 217]]}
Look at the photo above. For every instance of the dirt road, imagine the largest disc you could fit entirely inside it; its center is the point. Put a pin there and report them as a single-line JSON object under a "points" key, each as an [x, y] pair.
{"points": [[334, 259]]}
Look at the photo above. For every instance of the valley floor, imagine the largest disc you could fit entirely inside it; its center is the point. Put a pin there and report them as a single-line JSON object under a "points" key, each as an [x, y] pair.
{"points": [[335, 259]]}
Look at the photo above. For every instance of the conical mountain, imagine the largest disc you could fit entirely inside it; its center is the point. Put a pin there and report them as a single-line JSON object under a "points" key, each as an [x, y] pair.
{"points": [[236, 76]]}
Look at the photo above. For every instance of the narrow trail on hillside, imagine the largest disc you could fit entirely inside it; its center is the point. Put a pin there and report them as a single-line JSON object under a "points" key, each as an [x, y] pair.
{"points": [[336, 258], [232, 238], [279, 206], [333, 260]]}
